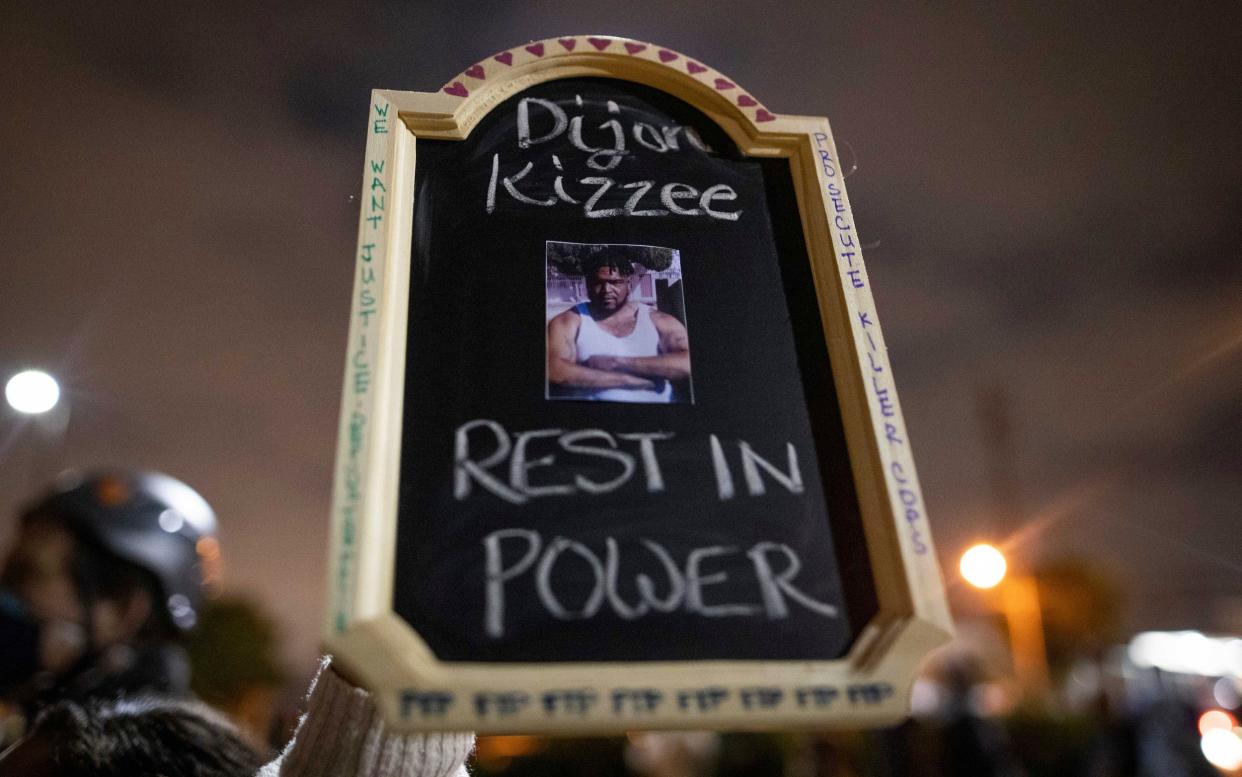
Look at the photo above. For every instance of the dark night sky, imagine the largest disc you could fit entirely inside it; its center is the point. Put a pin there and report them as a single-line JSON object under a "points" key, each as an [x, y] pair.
{"points": [[1051, 203]]}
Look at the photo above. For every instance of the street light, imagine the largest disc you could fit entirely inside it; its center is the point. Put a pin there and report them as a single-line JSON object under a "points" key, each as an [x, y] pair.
{"points": [[32, 392], [983, 566]]}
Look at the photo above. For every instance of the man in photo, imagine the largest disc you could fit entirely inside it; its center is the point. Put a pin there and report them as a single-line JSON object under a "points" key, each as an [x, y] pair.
{"points": [[613, 348]]}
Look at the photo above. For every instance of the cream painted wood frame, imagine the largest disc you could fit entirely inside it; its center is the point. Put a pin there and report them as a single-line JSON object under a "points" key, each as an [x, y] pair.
{"points": [[869, 686]]}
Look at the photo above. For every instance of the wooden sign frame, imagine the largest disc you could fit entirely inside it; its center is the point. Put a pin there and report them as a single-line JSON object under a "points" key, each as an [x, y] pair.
{"points": [[869, 686]]}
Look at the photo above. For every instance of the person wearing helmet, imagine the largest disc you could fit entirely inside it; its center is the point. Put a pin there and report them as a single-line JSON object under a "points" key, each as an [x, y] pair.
{"points": [[105, 576]]}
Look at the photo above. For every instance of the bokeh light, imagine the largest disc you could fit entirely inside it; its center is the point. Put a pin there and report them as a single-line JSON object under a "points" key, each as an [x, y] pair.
{"points": [[32, 392], [1222, 749], [983, 566], [1216, 719]]}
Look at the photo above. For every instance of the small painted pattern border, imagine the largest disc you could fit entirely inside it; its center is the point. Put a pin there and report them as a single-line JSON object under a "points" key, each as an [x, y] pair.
{"points": [[475, 76]]}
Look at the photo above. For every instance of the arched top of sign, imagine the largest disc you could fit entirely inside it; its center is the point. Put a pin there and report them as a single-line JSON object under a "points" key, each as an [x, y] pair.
{"points": [[469, 95]]}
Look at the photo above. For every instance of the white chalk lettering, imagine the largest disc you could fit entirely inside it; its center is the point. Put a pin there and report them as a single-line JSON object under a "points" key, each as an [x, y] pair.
{"points": [[519, 467], [723, 193], [559, 121], [611, 154], [469, 468], [654, 141], [543, 580], [771, 585], [724, 478], [465, 469], [752, 462], [498, 575], [676, 582], [651, 464], [510, 554], [631, 205], [604, 185], [570, 443], [695, 581], [510, 180], [678, 191], [603, 146]]}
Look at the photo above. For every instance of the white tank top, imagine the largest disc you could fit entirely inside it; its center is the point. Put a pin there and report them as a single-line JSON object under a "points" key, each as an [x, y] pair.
{"points": [[593, 340]]}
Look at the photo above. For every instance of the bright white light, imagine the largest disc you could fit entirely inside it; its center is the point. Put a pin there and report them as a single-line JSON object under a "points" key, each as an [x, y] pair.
{"points": [[171, 521], [1233, 657], [983, 566], [1202, 655], [32, 392], [1186, 652], [1222, 749]]}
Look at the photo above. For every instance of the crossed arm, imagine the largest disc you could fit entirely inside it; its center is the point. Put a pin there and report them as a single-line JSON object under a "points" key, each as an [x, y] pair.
{"points": [[672, 362]]}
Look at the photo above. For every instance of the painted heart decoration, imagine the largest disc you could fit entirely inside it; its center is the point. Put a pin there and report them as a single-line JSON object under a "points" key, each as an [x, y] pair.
{"points": [[475, 71], [536, 49], [505, 57], [634, 48], [456, 89], [599, 43], [746, 101]]}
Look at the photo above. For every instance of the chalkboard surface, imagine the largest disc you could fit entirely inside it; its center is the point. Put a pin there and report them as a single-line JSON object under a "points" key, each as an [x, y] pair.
{"points": [[718, 523]]}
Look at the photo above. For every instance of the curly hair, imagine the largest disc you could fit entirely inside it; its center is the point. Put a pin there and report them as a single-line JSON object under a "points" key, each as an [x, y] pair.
{"points": [[611, 258]]}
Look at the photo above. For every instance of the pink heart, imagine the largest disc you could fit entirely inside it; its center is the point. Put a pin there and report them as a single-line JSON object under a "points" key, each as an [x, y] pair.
{"points": [[723, 84], [456, 89], [475, 71], [536, 49], [505, 56], [667, 56], [634, 48], [746, 100], [763, 115], [695, 67], [568, 43], [599, 43]]}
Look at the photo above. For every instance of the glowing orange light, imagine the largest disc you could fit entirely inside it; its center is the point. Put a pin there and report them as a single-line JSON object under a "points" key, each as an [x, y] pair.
{"points": [[510, 746], [983, 566], [111, 491], [208, 548], [1213, 720]]}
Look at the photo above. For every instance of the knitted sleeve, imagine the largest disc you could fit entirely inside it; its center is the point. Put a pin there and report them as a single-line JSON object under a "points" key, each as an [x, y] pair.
{"points": [[342, 734]]}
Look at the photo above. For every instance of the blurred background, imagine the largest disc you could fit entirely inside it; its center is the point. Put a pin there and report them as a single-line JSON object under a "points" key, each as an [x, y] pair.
{"points": [[1051, 207]]}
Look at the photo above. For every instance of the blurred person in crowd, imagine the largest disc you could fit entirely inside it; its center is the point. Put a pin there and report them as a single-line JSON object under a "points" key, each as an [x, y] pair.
{"points": [[973, 744], [236, 667], [341, 735], [105, 577], [130, 738]]}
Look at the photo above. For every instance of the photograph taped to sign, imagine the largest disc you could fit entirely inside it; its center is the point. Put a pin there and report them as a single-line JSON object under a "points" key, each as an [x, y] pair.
{"points": [[616, 324], [742, 544]]}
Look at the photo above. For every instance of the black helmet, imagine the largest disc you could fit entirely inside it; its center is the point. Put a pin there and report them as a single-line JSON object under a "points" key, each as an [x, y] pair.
{"points": [[148, 519]]}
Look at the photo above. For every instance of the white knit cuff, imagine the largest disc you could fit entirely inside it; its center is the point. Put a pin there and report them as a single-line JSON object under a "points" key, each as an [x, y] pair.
{"points": [[343, 734]]}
